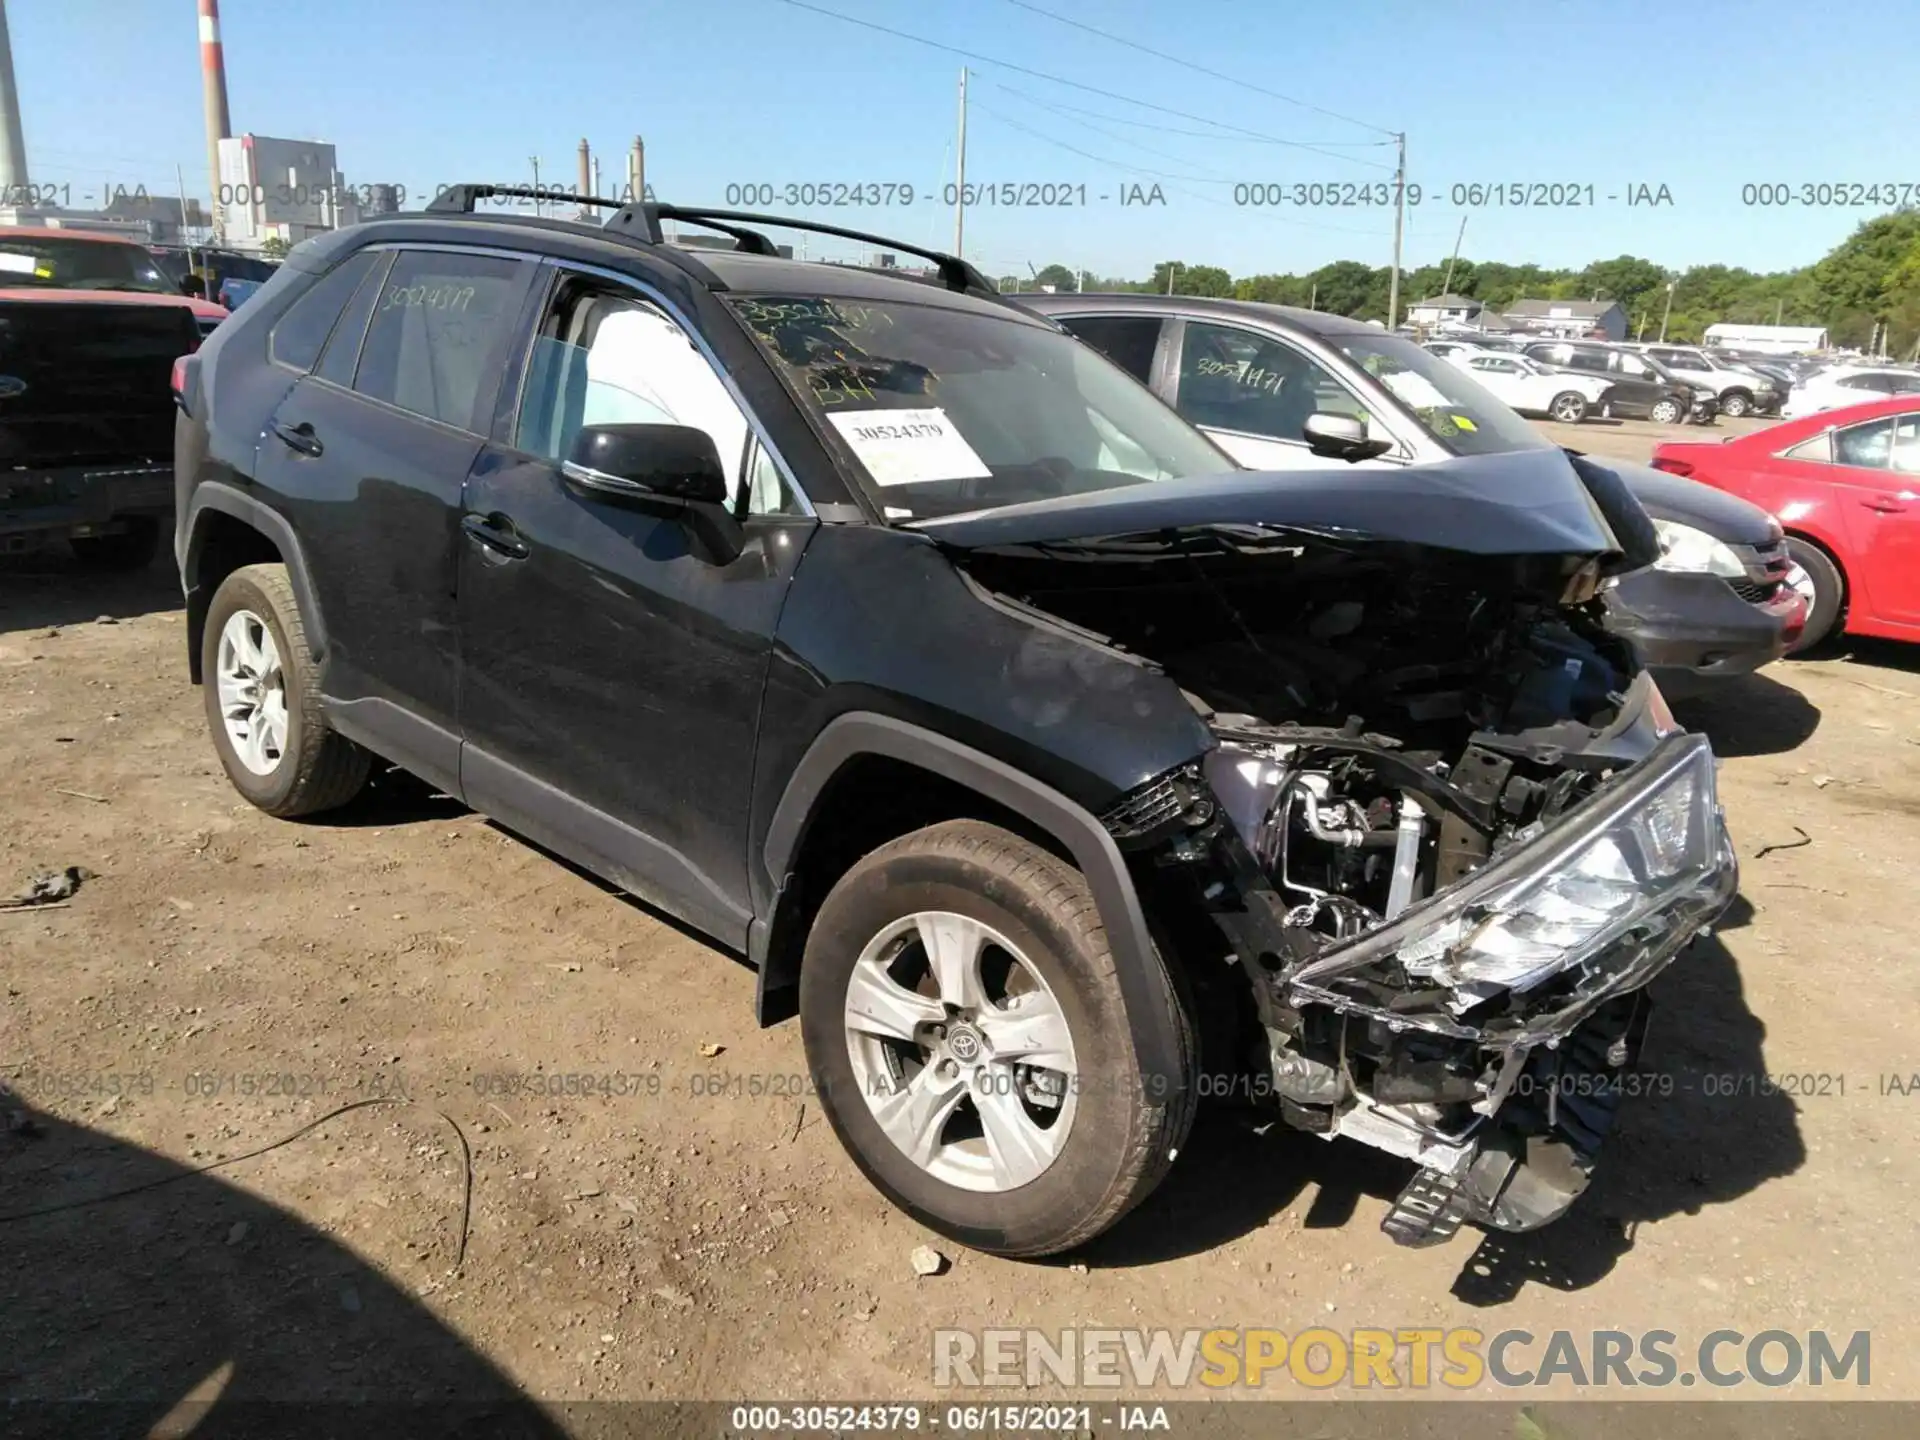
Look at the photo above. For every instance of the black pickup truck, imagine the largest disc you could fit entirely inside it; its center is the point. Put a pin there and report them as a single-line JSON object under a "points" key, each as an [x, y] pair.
{"points": [[86, 419]]}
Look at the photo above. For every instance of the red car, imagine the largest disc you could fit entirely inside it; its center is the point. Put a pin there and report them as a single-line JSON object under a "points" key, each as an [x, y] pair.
{"points": [[1846, 486]]}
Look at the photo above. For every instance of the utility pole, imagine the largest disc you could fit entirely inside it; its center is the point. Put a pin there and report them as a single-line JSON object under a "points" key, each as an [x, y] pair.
{"points": [[1446, 287], [1399, 228], [1666, 314], [1313, 296], [1779, 309], [536, 182], [960, 173], [1173, 267]]}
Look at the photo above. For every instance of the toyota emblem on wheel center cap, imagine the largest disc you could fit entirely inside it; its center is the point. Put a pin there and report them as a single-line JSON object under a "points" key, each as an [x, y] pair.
{"points": [[965, 1043]]}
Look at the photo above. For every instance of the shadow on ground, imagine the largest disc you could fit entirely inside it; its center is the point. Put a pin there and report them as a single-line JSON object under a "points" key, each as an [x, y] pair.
{"points": [[1747, 715], [44, 588], [198, 1301], [1700, 1132]]}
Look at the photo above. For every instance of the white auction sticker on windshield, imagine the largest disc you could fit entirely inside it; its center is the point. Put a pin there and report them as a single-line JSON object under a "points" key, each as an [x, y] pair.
{"points": [[909, 447]]}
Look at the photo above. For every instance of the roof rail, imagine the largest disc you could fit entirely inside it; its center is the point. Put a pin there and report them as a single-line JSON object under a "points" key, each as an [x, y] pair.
{"points": [[460, 199], [955, 272]]}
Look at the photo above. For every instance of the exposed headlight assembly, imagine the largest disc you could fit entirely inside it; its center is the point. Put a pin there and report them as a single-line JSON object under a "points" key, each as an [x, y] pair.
{"points": [[1646, 856], [1688, 551]]}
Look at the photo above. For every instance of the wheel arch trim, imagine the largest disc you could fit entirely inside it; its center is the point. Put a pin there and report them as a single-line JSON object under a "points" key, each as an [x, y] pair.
{"points": [[849, 736], [217, 496]]}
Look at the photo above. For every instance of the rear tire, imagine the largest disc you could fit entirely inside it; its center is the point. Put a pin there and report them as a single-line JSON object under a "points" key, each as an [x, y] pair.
{"points": [[1829, 595], [1035, 910], [1569, 407], [1666, 412], [130, 549], [263, 700]]}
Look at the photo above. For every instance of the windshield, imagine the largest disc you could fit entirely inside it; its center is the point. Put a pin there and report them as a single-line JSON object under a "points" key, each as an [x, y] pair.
{"points": [[1456, 409], [57, 264], [952, 410]]}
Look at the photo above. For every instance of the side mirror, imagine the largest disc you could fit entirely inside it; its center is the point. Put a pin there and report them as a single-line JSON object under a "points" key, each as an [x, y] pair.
{"points": [[672, 463], [661, 467], [1341, 437]]}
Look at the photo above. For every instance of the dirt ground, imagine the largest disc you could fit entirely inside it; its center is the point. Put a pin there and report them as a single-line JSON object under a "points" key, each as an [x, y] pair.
{"points": [[686, 1226]]}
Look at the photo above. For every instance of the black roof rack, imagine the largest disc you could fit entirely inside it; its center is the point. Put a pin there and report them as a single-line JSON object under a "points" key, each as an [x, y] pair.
{"points": [[645, 219], [642, 221], [460, 199]]}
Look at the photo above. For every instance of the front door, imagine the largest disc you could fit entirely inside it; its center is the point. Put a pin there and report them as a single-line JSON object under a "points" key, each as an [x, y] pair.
{"points": [[613, 668], [1876, 475]]}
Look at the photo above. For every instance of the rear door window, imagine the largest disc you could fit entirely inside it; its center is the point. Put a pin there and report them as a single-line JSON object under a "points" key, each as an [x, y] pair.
{"points": [[439, 325], [342, 354], [1127, 340], [299, 335]]}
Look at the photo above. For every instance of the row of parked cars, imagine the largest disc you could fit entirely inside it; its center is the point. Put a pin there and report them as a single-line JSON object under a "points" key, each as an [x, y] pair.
{"points": [[1572, 379]]}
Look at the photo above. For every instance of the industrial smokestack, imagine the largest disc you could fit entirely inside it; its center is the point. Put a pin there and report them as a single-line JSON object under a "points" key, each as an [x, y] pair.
{"points": [[586, 176], [213, 88], [13, 143], [637, 172]]}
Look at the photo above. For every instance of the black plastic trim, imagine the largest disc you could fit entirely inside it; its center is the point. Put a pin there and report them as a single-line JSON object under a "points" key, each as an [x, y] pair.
{"points": [[215, 495], [863, 733], [395, 733]]}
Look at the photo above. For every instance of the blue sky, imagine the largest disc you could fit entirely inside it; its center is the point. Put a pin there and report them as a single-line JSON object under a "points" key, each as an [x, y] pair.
{"points": [[729, 91]]}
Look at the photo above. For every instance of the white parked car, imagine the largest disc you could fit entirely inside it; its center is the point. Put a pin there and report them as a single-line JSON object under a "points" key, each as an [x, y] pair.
{"points": [[1449, 349], [1841, 385], [1532, 390]]}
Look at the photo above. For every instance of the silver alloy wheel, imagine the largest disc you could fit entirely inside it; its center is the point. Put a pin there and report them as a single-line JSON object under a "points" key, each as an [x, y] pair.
{"points": [[1665, 412], [961, 1051], [253, 692], [1569, 409]]}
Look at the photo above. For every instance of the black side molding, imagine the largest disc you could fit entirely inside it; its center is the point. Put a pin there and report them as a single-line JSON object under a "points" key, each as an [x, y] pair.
{"points": [[1092, 848], [216, 495]]}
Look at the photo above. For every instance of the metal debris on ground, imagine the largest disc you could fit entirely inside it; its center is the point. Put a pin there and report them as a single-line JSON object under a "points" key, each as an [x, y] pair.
{"points": [[1804, 840], [47, 888]]}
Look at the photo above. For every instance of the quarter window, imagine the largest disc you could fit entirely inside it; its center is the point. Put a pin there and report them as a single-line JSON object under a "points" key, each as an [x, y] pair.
{"points": [[1235, 380], [301, 333], [437, 327]]}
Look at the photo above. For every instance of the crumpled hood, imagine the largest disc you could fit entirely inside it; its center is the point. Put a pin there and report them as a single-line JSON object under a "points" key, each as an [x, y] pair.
{"points": [[1527, 503]]}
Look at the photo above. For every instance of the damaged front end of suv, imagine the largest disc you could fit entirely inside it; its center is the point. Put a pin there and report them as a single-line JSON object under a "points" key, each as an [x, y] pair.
{"points": [[1445, 833]]}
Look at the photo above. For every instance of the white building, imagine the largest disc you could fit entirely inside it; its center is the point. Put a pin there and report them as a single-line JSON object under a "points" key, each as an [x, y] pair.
{"points": [[280, 189], [1768, 339]]}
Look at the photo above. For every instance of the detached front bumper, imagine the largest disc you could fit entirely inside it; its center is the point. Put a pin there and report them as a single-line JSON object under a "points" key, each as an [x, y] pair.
{"points": [[1688, 627]]}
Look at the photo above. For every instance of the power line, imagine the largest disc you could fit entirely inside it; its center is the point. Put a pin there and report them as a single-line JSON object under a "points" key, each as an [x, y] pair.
{"points": [[1205, 175], [1158, 175], [1199, 69], [976, 56], [1065, 108]]}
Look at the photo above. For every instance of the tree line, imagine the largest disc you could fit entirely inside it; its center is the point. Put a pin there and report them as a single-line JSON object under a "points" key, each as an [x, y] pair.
{"points": [[1870, 279]]}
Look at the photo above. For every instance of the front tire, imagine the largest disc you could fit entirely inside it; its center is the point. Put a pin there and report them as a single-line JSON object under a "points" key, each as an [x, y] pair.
{"points": [[1735, 404], [1569, 407], [1666, 412], [1825, 589], [263, 700], [965, 1030]]}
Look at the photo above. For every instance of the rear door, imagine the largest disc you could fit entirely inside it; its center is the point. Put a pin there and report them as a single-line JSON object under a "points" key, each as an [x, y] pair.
{"points": [[1252, 393], [369, 454], [1876, 475]]}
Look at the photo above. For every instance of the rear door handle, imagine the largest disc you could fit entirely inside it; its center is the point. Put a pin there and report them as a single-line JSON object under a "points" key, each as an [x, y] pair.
{"points": [[299, 438], [495, 534]]}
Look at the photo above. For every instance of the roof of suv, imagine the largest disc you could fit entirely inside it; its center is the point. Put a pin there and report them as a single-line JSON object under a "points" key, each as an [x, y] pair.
{"points": [[734, 271], [1313, 322]]}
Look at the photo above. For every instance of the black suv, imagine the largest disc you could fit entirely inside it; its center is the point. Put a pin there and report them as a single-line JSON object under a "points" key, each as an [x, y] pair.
{"points": [[1054, 772], [1643, 388]]}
